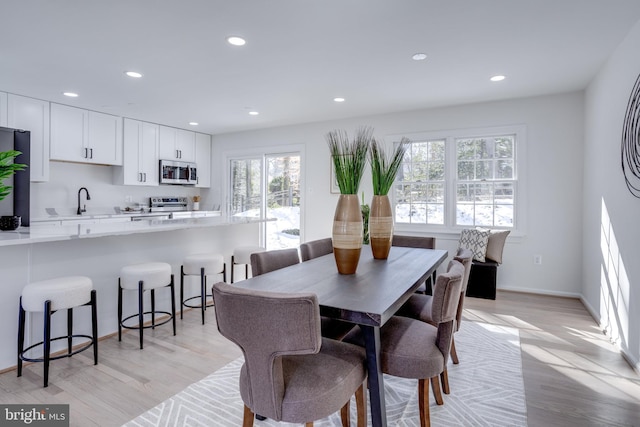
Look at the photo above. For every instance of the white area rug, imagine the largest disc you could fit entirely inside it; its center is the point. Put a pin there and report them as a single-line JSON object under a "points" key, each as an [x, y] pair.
{"points": [[486, 390]]}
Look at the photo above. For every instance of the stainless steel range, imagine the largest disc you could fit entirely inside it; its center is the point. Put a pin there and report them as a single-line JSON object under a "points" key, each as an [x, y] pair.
{"points": [[168, 204]]}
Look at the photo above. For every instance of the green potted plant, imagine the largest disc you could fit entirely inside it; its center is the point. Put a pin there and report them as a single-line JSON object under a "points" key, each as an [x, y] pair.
{"points": [[384, 168], [7, 169], [349, 158]]}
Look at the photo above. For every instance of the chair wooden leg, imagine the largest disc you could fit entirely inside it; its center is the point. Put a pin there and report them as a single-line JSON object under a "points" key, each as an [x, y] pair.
{"points": [[423, 402], [247, 420], [344, 415], [361, 406], [454, 355], [308, 424], [437, 394], [444, 379]]}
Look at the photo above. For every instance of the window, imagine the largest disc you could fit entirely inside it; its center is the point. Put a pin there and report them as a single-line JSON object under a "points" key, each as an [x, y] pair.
{"points": [[461, 179]]}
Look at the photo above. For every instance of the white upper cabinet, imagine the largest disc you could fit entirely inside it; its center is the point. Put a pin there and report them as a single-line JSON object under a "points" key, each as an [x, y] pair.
{"points": [[79, 135], [3, 109], [177, 144], [32, 115], [203, 160], [140, 161]]}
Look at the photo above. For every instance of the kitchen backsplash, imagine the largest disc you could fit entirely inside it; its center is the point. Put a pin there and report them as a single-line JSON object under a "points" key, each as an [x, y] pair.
{"points": [[61, 191]]}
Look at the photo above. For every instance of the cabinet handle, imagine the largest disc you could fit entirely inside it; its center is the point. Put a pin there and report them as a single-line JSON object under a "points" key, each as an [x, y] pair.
{"points": [[91, 151], [145, 177], [139, 176], [85, 153]]}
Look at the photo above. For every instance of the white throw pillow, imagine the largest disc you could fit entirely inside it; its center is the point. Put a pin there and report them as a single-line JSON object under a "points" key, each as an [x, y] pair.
{"points": [[497, 239], [476, 241]]}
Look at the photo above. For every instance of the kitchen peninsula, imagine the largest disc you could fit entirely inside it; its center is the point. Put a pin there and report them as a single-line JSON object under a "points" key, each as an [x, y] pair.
{"points": [[98, 251]]}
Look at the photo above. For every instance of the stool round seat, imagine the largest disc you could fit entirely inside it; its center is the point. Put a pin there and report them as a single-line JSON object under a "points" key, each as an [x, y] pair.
{"points": [[203, 265], [63, 292], [212, 263], [242, 254], [48, 297], [152, 274]]}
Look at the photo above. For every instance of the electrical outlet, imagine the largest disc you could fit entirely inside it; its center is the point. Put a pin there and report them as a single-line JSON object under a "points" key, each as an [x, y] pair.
{"points": [[128, 199], [537, 259]]}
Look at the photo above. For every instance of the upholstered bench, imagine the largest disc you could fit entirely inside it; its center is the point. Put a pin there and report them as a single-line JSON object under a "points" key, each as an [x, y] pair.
{"points": [[482, 279], [487, 246]]}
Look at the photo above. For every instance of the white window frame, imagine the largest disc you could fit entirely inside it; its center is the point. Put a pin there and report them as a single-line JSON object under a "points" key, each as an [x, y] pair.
{"points": [[262, 153], [450, 136]]}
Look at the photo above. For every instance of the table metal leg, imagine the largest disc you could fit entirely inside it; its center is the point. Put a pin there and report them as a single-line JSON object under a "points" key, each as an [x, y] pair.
{"points": [[374, 369]]}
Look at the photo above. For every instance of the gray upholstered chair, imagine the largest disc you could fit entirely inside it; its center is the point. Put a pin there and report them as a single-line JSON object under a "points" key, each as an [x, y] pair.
{"points": [[417, 242], [410, 348], [264, 262], [316, 248], [419, 307], [290, 372], [331, 328]]}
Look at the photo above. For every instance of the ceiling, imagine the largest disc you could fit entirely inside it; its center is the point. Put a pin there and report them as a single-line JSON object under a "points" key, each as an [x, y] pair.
{"points": [[300, 55]]}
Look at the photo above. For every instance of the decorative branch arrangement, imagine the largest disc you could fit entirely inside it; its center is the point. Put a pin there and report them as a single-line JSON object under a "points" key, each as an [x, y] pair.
{"points": [[384, 166], [349, 157]]}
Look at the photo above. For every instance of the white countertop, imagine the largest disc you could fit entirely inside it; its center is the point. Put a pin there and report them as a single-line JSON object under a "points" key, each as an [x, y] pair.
{"points": [[46, 232], [124, 215]]}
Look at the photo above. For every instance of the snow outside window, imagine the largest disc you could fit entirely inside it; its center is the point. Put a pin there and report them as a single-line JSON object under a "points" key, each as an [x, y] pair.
{"points": [[461, 179]]}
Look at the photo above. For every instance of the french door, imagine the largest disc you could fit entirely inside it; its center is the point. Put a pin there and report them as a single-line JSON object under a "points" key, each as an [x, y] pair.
{"points": [[268, 186]]}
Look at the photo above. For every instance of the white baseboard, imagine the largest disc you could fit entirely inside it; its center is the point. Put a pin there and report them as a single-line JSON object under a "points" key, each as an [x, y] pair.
{"points": [[592, 311], [540, 292]]}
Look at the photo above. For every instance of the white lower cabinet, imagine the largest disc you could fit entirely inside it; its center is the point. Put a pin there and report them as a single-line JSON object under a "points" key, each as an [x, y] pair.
{"points": [[140, 154], [33, 115]]}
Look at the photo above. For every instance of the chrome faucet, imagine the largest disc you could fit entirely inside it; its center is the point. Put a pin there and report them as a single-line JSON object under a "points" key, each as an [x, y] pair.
{"points": [[82, 209]]}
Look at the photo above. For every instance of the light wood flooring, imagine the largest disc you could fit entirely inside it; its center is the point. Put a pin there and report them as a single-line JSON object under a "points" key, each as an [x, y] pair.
{"points": [[573, 376]]}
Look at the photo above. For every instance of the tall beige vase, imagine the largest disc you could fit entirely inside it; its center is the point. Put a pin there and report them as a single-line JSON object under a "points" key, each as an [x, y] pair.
{"points": [[347, 233], [380, 226]]}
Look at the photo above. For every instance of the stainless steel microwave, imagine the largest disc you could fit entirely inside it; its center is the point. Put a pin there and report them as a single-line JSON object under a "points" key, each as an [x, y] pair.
{"points": [[176, 172]]}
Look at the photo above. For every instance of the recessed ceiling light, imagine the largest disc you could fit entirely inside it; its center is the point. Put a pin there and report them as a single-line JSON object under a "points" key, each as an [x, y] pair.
{"points": [[419, 57], [70, 94], [253, 113], [338, 99], [194, 123], [497, 78], [236, 41], [133, 74]]}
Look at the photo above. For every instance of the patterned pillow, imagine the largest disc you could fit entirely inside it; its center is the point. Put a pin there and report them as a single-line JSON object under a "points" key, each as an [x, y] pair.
{"points": [[476, 241]]}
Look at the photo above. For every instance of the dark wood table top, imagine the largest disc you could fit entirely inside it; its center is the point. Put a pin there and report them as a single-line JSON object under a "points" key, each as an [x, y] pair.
{"points": [[370, 296]]}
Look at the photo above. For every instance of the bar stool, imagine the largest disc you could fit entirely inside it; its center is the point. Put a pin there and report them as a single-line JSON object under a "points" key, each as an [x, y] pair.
{"points": [[242, 255], [202, 265], [49, 296], [140, 278]]}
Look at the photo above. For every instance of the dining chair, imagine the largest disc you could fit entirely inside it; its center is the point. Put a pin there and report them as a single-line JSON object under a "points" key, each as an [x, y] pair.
{"points": [[410, 348], [290, 373], [331, 328], [417, 242], [419, 307], [264, 262], [316, 248]]}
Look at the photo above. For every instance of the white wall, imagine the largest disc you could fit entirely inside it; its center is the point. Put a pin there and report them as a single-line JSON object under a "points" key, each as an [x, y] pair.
{"points": [[611, 271], [554, 138]]}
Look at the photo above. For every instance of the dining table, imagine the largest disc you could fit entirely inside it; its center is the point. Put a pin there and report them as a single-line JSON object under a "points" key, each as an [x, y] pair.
{"points": [[367, 298]]}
